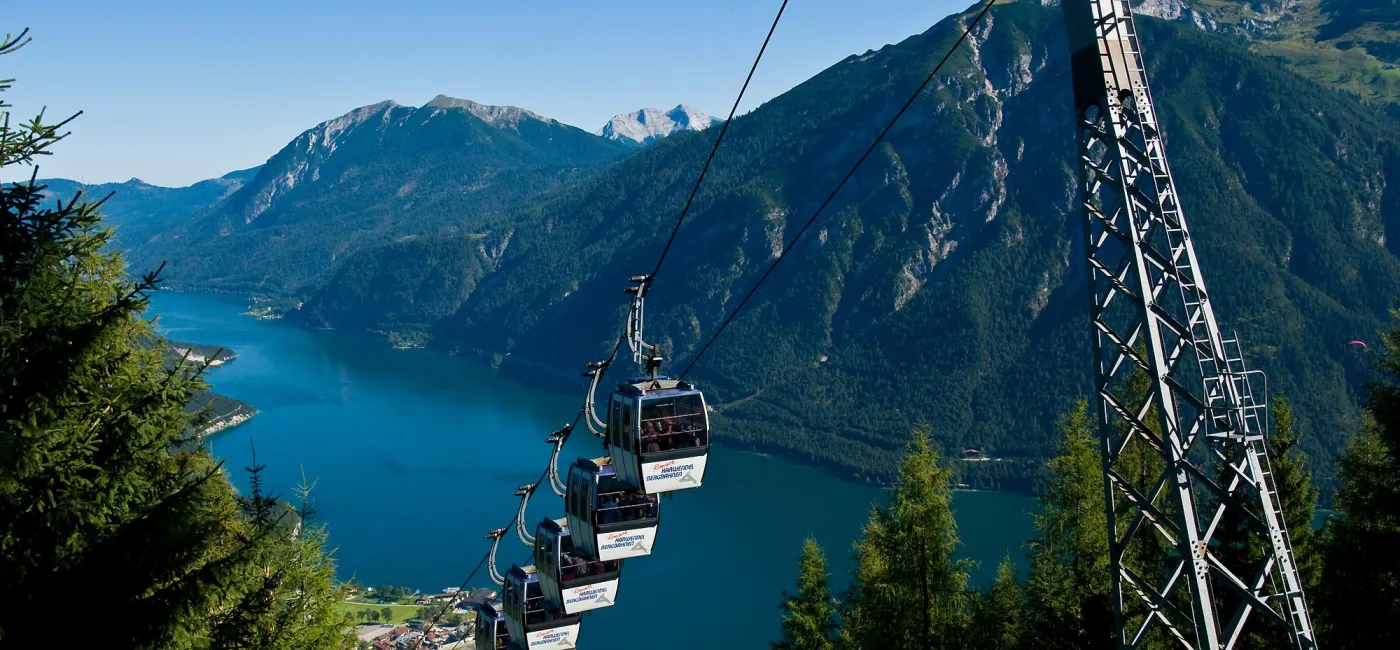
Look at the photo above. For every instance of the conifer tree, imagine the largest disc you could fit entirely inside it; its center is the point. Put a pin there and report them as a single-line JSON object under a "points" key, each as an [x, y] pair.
{"points": [[89, 491], [1297, 492], [1359, 596], [1150, 554], [1383, 395], [910, 593], [809, 617], [1068, 584], [104, 499], [1240, 543], [286, 595], [998, 621]]}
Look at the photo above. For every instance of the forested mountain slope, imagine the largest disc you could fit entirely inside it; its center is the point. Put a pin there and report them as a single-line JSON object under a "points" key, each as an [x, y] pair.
{"points": [[1349, 44], [403, 289], [376, 174], [141, 211], [946, 284]]}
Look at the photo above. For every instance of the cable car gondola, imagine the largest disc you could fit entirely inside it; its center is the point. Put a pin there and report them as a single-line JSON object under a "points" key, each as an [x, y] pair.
{"points": [[609, 519], [491, 633], [658, 434], [532, 622], [570, 581]]}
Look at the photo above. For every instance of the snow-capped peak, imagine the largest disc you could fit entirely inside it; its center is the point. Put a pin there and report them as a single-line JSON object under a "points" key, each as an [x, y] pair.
{"points": [[498, 116], [651, 124]]}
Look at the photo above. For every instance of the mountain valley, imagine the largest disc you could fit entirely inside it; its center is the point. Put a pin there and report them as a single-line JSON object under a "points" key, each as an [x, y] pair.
{"points": [[379, 174], [964, 226], [945, 285]]}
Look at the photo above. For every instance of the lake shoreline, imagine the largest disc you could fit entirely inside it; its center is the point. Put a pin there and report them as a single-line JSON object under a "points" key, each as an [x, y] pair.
{"points": [[533, 380], [219, 425], [415, 456], [547, 379]]}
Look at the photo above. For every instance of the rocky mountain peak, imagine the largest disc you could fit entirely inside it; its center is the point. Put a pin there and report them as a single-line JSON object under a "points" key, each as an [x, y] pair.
{"points": [[498, 116], [651, 124]]}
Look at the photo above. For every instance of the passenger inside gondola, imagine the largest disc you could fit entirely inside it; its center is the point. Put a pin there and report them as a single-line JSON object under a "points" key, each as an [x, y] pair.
{"points": [[573, 566], [625, 505], [673, 423], [535, 610]]}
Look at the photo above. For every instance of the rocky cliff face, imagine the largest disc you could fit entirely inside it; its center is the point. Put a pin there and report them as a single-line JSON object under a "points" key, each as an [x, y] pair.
{"points": [[651, 124], [1349, 44], [945, 284]]}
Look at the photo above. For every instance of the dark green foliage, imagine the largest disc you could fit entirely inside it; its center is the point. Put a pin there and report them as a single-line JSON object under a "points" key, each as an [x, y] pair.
{"points": [[199, 352], [1347, 15], [946, 283], [1066, 600], [89, 493], [1068, 604], [909, 591], [140, 212], [104, 500], [1360, 587], [1359, 596], [390, 593], [809, 616], [1241, 545], [212, 411], [1350, 45], [402, 287], [1383, 395], [286, 595], [998, 619], [373, 176], [212, 407]]}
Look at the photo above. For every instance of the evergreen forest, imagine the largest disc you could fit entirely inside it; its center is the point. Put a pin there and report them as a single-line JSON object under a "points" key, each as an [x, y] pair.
{"points": [[909, 592], [938, 317], [963, 223], [106, 499]]}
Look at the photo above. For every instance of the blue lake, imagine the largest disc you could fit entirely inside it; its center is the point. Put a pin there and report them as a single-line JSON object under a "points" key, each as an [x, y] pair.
{"points": [[415, 456]]}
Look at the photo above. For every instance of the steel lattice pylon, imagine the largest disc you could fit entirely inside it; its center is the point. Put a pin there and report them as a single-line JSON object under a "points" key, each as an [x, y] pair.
{"points": [[1184, 455]]}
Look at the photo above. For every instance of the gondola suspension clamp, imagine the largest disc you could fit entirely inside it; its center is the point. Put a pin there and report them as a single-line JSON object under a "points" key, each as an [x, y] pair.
{"points": [[595, 374], [495, 537], [646, 355], [524, 492], [557, 439]]}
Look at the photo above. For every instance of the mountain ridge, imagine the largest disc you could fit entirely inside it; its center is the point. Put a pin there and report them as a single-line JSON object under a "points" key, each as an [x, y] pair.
{"points": [[1353, 45], [962, 223], [367, 177], [509, 115], [647, 125], [141, 211]]}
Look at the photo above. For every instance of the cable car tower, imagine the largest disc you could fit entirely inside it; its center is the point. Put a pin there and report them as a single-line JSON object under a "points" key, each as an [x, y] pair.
{"points": [[1170, 490]]}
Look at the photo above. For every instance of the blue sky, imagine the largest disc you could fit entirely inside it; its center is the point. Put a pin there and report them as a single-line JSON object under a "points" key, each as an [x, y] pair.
{"points": [[174, 92]]}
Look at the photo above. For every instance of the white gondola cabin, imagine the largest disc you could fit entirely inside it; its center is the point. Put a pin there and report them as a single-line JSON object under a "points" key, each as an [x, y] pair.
{"points": [[533, 624], [491, 633], [570, 581], [658, 434], [609, 519]]}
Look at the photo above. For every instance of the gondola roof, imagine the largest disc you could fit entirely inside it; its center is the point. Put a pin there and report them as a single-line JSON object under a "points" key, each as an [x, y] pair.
{"points": [[659, 387], [556, 527]]}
